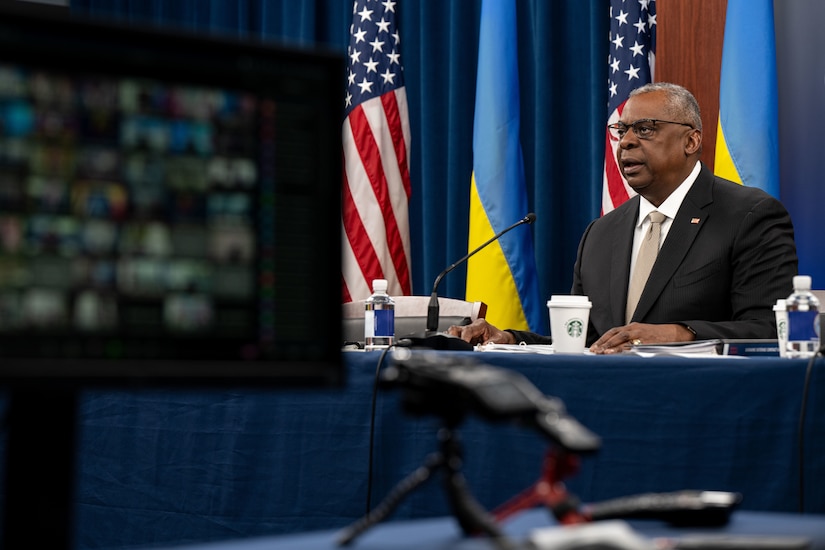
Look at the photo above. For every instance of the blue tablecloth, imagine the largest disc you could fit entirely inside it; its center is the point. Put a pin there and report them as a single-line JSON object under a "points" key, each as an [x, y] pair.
{"points": [[172, 466]]}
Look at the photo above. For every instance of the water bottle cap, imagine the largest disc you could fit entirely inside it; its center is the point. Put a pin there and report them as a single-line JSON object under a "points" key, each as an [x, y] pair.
{"points": [[379, 285], [802, 282]]}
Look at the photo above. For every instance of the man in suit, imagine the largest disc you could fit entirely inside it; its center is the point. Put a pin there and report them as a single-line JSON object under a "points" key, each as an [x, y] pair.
{"points": [[726, 253]]}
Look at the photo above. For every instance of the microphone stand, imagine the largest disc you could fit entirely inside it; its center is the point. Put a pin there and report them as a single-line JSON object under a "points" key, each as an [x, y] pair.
{"points": [[433, 308]]}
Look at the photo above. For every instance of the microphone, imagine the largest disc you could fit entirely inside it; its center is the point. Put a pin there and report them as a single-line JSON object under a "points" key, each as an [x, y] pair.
{"points": [[433, 308]]}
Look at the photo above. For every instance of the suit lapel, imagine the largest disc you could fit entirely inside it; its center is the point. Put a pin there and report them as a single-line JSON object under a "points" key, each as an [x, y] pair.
{"points": [[689, 221]]}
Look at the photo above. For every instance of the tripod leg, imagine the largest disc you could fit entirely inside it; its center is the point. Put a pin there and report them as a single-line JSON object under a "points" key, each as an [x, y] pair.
{"points": [[393, 499], [548, 490], [472, 517]]}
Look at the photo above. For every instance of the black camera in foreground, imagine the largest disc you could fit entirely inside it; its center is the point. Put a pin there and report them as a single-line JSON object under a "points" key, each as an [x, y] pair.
{"points": [[454, 386]]}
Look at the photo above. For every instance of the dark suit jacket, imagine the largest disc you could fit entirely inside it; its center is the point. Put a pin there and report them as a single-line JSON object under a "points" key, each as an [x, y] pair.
{"points": [[729, 255]]}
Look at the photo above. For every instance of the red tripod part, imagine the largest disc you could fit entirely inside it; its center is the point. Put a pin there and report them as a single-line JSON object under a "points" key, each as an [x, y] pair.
{"points": [[549, 491]]}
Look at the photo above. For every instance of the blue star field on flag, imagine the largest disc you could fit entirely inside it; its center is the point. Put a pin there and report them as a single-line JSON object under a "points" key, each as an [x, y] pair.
{"points": [[374, 66], [632, 39]]}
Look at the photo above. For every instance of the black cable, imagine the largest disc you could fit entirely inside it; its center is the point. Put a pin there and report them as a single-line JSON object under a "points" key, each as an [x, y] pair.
{"points": [[372, 425], [801, 428]]}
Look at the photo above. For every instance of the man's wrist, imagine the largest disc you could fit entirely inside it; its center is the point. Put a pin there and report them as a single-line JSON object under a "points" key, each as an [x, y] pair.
{"points": [[690, 333]]}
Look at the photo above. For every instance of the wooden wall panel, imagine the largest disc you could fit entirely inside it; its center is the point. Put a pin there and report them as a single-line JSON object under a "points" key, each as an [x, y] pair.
{"points": [[689, 41]]}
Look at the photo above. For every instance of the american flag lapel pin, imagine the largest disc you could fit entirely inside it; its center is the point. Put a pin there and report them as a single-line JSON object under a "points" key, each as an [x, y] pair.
{"points": [[694, 221]]}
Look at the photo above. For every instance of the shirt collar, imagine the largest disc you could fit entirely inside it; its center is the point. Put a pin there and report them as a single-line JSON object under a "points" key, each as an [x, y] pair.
{"points": [[671, 205]]}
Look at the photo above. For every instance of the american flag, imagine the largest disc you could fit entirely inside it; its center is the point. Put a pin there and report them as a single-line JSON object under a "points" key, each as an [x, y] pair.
{"points": [[376, 142], [631, 60]]}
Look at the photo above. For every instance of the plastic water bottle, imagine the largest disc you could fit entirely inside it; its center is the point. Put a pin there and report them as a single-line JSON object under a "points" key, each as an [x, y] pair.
{"points": [[379, 317], [803, 319]]}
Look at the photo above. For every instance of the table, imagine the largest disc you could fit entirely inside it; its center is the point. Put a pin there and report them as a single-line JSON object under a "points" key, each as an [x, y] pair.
{"points": [[173, 466], [443, 533]]}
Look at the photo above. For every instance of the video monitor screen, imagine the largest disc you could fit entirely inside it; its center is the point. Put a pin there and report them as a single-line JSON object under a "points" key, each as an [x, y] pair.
{"points": [[169, 205]]}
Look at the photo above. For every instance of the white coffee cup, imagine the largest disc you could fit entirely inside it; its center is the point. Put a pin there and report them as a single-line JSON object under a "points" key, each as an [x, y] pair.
{"points": [[568, 322], [781, 326]]}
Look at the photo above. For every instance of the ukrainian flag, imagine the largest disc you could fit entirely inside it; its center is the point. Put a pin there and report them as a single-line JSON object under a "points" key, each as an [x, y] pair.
{"points": [[504, 274], [747, 140]]}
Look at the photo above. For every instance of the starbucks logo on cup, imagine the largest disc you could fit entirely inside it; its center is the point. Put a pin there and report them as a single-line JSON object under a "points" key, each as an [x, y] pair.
{"points": [[574, 327]]}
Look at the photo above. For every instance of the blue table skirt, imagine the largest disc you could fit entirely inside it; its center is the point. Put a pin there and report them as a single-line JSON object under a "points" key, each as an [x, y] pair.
{"points": [[171, 466]]}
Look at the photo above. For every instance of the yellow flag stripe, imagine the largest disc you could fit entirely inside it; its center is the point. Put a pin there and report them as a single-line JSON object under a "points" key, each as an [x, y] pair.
{"points": [[723, 165], [489, 278]]}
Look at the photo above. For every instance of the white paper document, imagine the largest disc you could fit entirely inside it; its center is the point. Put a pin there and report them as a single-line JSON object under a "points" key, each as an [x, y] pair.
{"points": [[689, 349], [516, 348]]}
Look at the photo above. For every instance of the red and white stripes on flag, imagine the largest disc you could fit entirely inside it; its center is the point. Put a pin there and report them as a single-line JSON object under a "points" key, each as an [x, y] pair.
{"points": [[376, 147], [632, 58]]}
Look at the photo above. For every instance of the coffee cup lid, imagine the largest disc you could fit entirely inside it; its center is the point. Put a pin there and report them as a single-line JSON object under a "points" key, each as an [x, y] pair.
{"points": [[568, 300]]}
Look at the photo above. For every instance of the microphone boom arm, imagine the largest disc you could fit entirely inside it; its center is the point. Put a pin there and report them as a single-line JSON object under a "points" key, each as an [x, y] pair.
{"points": [[433, 308]]}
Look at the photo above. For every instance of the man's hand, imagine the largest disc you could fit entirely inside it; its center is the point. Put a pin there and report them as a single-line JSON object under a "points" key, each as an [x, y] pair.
{"points": [[481, 332], [619, 339]]}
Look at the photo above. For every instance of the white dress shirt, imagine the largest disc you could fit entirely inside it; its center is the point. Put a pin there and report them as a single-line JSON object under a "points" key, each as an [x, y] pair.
{"points": [[669, 208]]}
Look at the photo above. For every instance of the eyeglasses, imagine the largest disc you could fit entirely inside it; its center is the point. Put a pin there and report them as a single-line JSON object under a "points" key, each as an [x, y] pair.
{"points": [[644, 128]]}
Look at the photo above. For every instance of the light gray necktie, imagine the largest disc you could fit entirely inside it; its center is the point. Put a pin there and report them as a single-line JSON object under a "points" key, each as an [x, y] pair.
{"points": [[644, 262]]}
